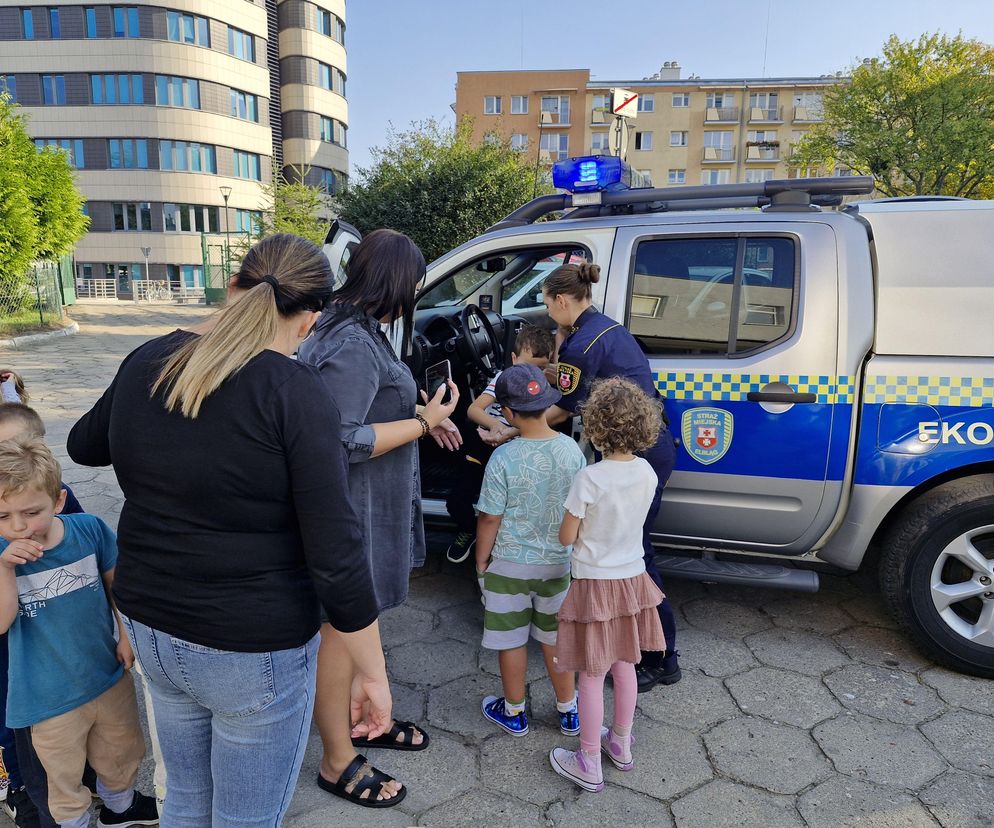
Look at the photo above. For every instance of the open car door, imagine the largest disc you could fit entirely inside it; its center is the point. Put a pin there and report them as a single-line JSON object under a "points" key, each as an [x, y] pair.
{"points": [[341, 240]]}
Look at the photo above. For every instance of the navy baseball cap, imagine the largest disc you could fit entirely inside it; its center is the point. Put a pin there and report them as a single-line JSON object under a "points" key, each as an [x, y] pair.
{"points": [[523, 387]]}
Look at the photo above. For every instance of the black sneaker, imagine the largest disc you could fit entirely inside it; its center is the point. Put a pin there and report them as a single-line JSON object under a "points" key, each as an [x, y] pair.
{"points": [[669, 670], [647, 677], [21, 810], [460, 548], [143, 811]]}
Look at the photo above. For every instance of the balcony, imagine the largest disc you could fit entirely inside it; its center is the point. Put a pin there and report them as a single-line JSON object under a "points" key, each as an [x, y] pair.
{"points": [[808, 114], [761, 114], [719, 155], [723, 115], [554, 120], [763, 151], [599, 115]]}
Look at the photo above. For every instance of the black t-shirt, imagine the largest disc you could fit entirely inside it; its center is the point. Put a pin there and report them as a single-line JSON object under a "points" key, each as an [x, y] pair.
{"points": [[237, 522]]}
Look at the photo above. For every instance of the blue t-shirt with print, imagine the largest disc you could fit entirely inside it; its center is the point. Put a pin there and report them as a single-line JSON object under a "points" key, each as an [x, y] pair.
{"points": [[62, 648], [527, 482]]}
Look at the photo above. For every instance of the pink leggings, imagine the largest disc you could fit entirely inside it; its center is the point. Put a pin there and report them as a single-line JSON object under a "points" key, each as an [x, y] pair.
{"points": [[591, 703]]}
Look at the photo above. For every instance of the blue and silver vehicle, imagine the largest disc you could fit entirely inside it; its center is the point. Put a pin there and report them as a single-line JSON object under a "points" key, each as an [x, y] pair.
{"points": [[828, 372]]}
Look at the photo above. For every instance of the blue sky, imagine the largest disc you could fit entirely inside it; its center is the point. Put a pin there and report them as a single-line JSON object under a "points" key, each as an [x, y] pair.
{"points": [[404, 54]]}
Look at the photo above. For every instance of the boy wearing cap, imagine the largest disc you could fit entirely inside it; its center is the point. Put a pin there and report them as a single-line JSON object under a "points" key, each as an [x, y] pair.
{"points": [[523, 567]]}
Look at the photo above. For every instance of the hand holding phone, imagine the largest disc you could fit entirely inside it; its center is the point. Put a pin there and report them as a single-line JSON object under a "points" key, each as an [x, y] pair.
{"points": [[436, 376]]}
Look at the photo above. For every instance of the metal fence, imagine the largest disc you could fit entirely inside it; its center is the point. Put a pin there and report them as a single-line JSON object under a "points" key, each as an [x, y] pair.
{"points": [[31, 300]]}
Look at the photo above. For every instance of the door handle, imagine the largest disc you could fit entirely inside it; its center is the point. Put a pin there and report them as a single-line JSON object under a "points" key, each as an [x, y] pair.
{"points": [[788, 397]]}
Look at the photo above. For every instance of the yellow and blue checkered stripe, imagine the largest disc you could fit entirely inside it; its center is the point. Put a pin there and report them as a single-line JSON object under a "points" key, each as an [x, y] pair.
{"points": [[972, 392], [735, 387]]}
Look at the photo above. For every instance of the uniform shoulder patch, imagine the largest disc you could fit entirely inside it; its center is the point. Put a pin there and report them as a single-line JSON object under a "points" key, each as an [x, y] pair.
{"points": [[569, 378]]}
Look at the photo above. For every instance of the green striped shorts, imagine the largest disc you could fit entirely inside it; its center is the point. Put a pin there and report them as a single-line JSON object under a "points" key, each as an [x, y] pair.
{"points": [[522, 599]]}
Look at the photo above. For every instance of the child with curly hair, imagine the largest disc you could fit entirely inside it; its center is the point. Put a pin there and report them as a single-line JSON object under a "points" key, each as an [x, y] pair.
{"points": [[609, 614]]}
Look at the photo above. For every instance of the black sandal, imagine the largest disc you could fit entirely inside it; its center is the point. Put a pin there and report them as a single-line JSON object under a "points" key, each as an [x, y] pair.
{"points": [[358, 778], [389, 741]]}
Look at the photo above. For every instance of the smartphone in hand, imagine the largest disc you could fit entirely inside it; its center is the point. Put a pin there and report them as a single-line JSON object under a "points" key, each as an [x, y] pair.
{"points": [[438, 374]]}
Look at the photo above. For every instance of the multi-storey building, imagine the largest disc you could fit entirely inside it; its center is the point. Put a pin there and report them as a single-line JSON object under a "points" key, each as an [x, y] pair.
{"points": [[175, 114], [687, 130]]}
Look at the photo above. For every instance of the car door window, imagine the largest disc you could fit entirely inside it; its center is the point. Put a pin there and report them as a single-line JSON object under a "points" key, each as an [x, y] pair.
{"points": [[711, 295], [524, 291]]}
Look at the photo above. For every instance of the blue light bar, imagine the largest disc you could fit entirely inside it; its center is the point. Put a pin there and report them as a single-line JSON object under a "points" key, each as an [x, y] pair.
{"points": [[591, 173]]}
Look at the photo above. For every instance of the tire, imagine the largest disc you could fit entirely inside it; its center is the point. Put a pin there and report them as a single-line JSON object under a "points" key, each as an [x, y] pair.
{"points": [[940, 543]]}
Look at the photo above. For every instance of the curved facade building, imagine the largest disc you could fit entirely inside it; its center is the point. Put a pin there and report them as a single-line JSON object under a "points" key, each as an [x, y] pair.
{"points": [[164, 106]]}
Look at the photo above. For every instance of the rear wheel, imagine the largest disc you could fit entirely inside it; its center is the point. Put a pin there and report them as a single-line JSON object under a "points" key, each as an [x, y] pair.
{"points": [[937, 573]]}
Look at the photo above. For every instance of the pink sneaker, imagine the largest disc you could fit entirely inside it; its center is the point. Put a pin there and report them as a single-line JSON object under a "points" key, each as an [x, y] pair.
{"points": [[619, 754], [575, 766]]}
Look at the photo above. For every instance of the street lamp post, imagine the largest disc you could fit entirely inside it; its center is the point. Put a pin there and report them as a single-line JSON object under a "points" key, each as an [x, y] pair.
{"points": [[146, 252], [226, 194]]}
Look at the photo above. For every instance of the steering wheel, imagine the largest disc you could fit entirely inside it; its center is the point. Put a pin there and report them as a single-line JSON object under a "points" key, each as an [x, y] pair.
{"points": [[480, 345]]}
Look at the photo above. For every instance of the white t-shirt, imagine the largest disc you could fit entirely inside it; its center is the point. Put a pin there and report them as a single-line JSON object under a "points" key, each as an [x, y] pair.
{"points": [[611, 498], [494, 409]]}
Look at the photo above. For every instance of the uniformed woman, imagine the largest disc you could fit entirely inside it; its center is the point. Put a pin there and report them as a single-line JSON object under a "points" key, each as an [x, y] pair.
{"points": [[598, 347]]}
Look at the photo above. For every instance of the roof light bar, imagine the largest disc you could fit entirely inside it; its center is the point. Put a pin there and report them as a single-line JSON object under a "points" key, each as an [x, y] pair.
{"points": [[592, 173]]}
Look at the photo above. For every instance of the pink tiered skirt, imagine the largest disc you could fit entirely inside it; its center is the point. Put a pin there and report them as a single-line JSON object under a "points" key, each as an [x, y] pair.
{"points": [[604, 621]]}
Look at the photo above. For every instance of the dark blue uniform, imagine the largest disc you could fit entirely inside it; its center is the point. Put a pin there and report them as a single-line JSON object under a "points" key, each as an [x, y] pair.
{"points": [[598, 347]]}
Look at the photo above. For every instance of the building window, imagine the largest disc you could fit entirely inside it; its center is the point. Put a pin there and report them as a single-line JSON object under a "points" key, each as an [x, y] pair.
{"points": [[184, 156], [647, 103], [764, 106], [332, 131], [116, 89], [188, 28], [758, 176], [519, 141], [248, 221], [681, 100], [555, 109], [73, 148], [241, 44], [190, 218], [28, 23], [128, 153], [91, 21], [328, 181], [8, 84], [492, 105], [714, 177], [808, 106], [676, 177], [173, 91], [185, 276], [331, 78], [126, 21], [331, 25], [54, 90], [556, 145], [55, 30], [600, 142], [678, 139], [339, 77], [244, 106], [247, 165], [718, 146], [519, 104], [132, 216], [643, 140], [720, 100]]}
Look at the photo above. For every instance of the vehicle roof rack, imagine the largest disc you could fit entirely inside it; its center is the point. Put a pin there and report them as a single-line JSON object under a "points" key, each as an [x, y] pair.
{"points": [[795, 194]]}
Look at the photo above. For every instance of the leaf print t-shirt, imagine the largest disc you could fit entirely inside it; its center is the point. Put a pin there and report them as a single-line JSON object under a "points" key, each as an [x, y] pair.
{"points": [[527, 482]]}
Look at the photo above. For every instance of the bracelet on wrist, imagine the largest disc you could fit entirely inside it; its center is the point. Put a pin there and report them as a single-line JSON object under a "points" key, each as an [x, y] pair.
{"points": [[425, 428]]}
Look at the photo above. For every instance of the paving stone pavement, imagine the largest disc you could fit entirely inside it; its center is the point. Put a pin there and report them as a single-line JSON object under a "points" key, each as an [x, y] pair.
{"points": [[794, 710]]}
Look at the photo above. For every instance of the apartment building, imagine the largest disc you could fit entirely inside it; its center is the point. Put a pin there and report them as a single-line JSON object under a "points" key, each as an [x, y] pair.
{"points": [[687, 130], [175, 114]]}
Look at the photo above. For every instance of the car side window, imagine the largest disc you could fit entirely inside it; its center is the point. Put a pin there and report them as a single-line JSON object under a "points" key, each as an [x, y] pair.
{"points": [[711, 295], [524, 291]]}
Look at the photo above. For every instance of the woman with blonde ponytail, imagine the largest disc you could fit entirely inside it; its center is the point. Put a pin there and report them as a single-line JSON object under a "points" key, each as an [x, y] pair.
{"points": [[237, 531]]}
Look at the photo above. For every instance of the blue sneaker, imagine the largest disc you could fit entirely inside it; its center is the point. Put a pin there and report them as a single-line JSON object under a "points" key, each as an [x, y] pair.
{"points": [[569, 723], [493, 709]]}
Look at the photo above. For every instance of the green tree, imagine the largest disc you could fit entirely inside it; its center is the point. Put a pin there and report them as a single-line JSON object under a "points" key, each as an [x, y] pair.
{"points": [[920, 119], [290, 206], [41, 211], [438, 186]]}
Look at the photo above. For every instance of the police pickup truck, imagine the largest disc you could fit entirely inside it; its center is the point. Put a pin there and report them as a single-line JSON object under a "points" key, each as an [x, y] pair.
{"points": [[828, 374]]}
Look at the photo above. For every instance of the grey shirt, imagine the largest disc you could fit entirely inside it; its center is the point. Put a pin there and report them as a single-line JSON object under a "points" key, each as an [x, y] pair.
{"points": [[370, 384]]}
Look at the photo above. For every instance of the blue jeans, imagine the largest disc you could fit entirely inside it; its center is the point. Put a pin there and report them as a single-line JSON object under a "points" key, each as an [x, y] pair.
{"points": [[232, 727]]}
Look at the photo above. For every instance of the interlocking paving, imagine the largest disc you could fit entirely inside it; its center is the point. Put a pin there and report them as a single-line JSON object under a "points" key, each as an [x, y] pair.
{"points": [[794, 710]]}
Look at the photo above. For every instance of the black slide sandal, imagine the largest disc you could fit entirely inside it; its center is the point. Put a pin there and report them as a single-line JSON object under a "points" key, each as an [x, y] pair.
{"points": [[389, 741], [362, 777]]}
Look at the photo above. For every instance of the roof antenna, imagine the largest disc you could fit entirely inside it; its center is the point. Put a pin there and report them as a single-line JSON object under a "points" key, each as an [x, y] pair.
{"points": [[522, 38], [766, 40]]}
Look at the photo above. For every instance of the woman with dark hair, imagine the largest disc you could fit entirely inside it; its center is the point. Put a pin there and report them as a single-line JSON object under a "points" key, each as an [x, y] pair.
{"points": [[377, 398], [598, 347], [236, 530]]}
